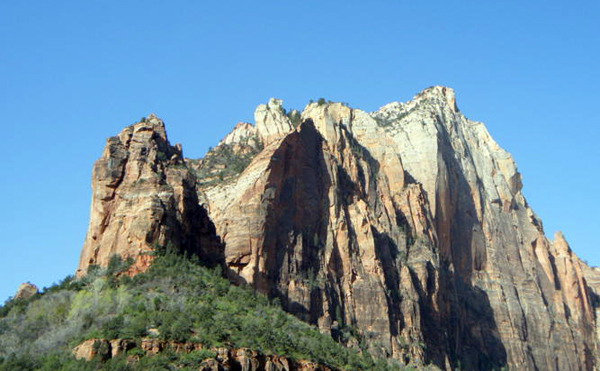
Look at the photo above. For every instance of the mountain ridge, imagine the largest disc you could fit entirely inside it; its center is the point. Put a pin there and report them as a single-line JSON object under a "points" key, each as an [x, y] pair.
{"points": [[407, 223]]}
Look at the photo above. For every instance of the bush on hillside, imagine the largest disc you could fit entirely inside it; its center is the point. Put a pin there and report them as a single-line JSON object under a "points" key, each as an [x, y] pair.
{"points": [[184, 301]]}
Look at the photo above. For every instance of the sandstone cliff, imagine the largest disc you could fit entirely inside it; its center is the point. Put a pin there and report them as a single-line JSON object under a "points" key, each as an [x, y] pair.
{"points": [[143, 196], [404, 229]]}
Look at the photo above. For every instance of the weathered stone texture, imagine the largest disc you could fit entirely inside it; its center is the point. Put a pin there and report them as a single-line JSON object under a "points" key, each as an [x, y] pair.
{"points": [[405, 227], [144, 196]]}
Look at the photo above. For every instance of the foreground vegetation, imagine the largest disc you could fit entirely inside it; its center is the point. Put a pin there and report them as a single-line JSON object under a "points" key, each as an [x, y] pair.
{"points": [[175, 300]]}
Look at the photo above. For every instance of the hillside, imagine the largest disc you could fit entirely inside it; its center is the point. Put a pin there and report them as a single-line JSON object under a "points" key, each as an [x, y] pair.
{"points": [[176, 315]]}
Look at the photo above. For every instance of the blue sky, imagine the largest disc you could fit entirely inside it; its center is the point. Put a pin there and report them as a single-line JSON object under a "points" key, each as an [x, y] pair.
{"points": [[76, 72]]}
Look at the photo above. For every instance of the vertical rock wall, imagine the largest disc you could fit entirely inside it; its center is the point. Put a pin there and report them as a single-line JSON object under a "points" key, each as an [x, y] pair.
{"points": [[143, 196], [403, 230]]}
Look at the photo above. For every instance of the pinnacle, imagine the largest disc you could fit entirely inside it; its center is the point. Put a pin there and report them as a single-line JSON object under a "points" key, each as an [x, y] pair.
{"points": [[153, 119], [275, 103], [440, 92]]}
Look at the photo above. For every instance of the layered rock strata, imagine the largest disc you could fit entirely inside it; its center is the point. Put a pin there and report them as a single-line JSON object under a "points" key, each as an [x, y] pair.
{"points": [[144, 197], [404, 230]]}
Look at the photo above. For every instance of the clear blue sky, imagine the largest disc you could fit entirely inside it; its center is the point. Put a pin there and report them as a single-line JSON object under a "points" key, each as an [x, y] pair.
{"points": [[73, 73]]}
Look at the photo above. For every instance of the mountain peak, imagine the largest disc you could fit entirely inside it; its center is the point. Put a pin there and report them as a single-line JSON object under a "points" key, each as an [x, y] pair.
{"points": [[438, 92], [271, 121], [275, 103], [407, 224], [152, 118], [240, 132]]}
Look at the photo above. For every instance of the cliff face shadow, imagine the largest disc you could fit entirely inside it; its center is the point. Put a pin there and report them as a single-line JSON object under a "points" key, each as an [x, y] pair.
{"points": [[194, 233], [463, 329], [296, 224], [466, 314], [388, 254], [457, 319], [297, 245]]}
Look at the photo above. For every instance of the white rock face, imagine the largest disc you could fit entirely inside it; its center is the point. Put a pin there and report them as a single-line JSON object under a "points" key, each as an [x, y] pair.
{"points": [[328, 119], [240, 134], [271, 121]]}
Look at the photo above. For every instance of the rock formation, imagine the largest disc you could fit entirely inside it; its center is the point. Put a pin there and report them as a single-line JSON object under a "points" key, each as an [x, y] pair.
{"points": [[26, 290], [143, 196], [403, 229], [271, 121], [225, 359]]}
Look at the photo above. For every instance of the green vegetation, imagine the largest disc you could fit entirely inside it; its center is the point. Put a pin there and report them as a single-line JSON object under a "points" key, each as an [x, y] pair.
{"points": [[322, 101], [161, 156], [225, 162], [390, 119], [175, 300], [295, 117]]}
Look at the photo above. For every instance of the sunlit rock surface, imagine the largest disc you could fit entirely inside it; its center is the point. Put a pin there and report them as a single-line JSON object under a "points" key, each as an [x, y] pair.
{"points": [[404, 228]]}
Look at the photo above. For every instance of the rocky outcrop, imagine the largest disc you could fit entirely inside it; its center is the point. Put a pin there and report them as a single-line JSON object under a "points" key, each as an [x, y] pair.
{"points": [[271, 121], [239, 135], [224, 358], [404, 230], [25, 291], [144, 196]]}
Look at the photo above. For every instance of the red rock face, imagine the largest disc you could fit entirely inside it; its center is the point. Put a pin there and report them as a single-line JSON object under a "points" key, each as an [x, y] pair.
{"points": [[404, 228], [143, 196]]}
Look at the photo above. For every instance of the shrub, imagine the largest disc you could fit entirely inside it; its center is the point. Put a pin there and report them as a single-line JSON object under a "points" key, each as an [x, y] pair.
{"points": [[295, 118], [195, 358], [222, 163], [161, 156]]}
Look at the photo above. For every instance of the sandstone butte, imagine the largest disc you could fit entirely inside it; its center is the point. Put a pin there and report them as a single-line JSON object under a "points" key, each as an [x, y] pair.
{"points": [[407, 224]]}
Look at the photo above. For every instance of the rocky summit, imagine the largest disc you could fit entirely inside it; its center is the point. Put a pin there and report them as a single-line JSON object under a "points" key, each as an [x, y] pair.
{"points": [[404, 228], [143, 195]]}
